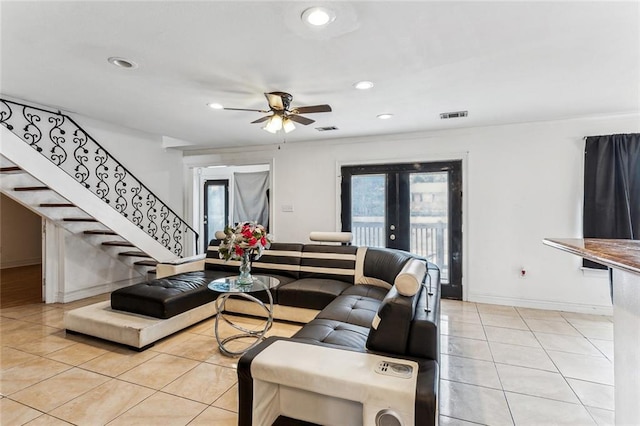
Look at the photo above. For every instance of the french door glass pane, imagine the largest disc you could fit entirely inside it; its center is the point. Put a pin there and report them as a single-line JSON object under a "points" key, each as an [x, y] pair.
{"points": [[429, 221], [368, 203], [216, 209]]}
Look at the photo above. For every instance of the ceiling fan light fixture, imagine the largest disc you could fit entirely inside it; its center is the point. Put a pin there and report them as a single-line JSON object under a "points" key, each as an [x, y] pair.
{"points": [[288, 126], [385, 116], [273, 124], [363, 85], [214, 105], [318, 16]]}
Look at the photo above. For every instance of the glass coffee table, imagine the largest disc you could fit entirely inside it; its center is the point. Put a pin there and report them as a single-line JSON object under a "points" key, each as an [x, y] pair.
{"points": [[229, 286]]}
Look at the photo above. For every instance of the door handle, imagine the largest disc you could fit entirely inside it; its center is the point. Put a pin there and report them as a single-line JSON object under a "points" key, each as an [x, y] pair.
{"points": [[392, 237], [392, 227]]}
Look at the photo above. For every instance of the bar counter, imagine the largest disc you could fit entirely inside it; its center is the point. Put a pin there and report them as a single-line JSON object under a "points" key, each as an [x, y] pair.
{"points": [[623, 259]]}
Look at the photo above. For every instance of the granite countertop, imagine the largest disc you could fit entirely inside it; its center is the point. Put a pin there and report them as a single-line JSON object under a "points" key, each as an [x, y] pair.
{"points": [[620, 254]]}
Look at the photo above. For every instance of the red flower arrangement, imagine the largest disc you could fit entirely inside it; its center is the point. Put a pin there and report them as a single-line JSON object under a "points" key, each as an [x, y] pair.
{"points": [[246, 238]]}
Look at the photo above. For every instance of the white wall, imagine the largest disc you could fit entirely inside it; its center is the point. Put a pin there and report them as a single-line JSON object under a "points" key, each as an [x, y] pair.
{"points": [[522, 182]]}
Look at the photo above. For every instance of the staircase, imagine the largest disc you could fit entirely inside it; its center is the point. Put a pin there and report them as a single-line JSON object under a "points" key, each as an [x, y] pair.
{"points": [[52, 166]]}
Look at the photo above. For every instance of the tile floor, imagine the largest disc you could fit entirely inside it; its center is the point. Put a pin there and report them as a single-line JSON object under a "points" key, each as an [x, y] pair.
{"points": [[500, 365]]}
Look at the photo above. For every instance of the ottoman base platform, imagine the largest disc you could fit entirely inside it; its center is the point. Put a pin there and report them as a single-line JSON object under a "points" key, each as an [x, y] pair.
{"points": [[136, 331]]}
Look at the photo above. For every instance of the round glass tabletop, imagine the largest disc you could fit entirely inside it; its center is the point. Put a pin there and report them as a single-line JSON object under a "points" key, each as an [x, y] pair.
{"points": [[230, 284]]}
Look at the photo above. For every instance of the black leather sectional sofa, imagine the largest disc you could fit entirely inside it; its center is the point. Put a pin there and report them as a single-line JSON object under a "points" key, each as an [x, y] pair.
{"points": [[372, 301]]}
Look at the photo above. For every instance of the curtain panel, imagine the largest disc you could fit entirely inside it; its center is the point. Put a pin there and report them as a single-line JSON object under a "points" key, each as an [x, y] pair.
{"points": [[251, 198], [611, 188]]}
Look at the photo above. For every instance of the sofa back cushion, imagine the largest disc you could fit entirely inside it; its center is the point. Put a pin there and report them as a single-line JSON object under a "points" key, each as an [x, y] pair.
{"points": [[329, 262], [279, 259], [391, 326], [379, 266], [213, 261]]}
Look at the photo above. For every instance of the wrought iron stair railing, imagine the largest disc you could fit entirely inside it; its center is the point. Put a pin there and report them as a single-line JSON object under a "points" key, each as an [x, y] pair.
{"points": [[60, 139]]}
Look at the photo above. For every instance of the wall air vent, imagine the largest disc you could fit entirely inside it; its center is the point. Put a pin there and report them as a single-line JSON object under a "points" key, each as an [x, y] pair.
{"points": [[455, 114], [326, 129]]}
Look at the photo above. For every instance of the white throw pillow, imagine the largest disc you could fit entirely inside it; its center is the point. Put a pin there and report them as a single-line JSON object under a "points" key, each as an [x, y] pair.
{"points": [[410, 278]]}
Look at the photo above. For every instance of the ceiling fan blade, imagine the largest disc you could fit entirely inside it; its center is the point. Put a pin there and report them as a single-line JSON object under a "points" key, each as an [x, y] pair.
{"points": [[302, 120], [244, 109], [311, 109], [275, 101], [260, 120]]}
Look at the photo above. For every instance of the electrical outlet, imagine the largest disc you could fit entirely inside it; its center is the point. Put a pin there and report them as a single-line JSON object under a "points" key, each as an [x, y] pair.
{"points": [[287, 208]]}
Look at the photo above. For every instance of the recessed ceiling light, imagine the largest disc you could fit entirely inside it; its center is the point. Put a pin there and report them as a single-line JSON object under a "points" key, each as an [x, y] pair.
{"points": [[122, 62], [318, 16], [385, 116], [214, 105], [363, 85]]}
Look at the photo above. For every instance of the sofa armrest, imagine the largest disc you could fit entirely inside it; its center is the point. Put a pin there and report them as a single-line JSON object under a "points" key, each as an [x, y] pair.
{"points": [[179, 266]]}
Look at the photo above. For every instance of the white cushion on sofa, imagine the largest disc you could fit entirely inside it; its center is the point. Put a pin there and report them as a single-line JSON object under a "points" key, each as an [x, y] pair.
{"points": [[360, 278], [410, 278]]}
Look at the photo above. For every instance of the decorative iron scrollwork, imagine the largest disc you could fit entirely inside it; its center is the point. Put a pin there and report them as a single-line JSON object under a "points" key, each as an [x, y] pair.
{"points": [[47, 132]]}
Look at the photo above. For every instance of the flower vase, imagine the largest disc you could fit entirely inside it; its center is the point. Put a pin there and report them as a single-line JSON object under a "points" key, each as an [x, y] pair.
{"points": [[245, 277]]}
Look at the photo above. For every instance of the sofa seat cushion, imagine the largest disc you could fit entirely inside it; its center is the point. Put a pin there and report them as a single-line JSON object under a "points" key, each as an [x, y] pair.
{"points": [[334, 333], [367, 290], [166, 297], [310, 293], [356, 310]]}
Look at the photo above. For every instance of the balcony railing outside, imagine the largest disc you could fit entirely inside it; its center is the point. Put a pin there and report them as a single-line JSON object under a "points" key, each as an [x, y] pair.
{"points": [[429, 240], [58, 138]]}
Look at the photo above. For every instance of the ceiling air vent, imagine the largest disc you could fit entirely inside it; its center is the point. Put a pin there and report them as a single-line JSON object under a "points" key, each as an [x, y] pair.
{"points": [[326, 129], [455, 114]]}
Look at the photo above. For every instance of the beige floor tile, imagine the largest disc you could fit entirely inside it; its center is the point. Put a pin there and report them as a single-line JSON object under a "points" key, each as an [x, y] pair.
{"points": [[448, 304], [602, 417], [602, 331], [229, 400], [213, 416], [117, 362], [552, 326], [543, 314], [511, 336], [102, 404], [450, 421], [522, 356], [10, 324], [471, 371], [474, 404], [51, 318], [14, 413], [604, 346], [469, 348], [160, 409], [57, 390], [462, 329], [484, 308], [85, 302], [205, 383], [195, 346], [77, 354], [10, 357], [45, 345], [533, 411], [594, 394], [544, 384], [463, 316], [159, 371], [29, 373], [225, 361], [47, 420], [506, 321], [596, 369], [558, 342], [26, 334], [573, 317], [25, 311]]}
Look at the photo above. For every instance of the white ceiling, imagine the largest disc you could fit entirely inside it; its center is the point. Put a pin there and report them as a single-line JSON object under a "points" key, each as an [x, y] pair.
{"points": [[504, 62]]}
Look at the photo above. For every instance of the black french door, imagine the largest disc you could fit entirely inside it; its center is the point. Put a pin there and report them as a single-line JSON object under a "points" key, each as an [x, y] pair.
{"points": [[216, 208], [415, 207]]}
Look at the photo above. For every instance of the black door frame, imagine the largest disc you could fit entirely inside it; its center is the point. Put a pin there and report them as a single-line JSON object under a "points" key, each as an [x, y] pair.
{"points": [[205, 218], [398, 183]]}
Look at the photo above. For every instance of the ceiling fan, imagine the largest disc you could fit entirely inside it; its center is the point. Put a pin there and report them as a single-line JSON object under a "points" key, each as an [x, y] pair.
{"points": [[283, 115]]}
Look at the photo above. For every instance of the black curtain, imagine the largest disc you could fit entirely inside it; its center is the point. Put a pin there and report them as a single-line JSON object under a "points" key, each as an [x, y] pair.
{"points": [[611, 188]]}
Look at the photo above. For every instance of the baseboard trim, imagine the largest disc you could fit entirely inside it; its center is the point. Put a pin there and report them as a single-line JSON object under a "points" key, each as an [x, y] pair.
{"points": [[541, 304], [72, 296], [19, 263]]}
